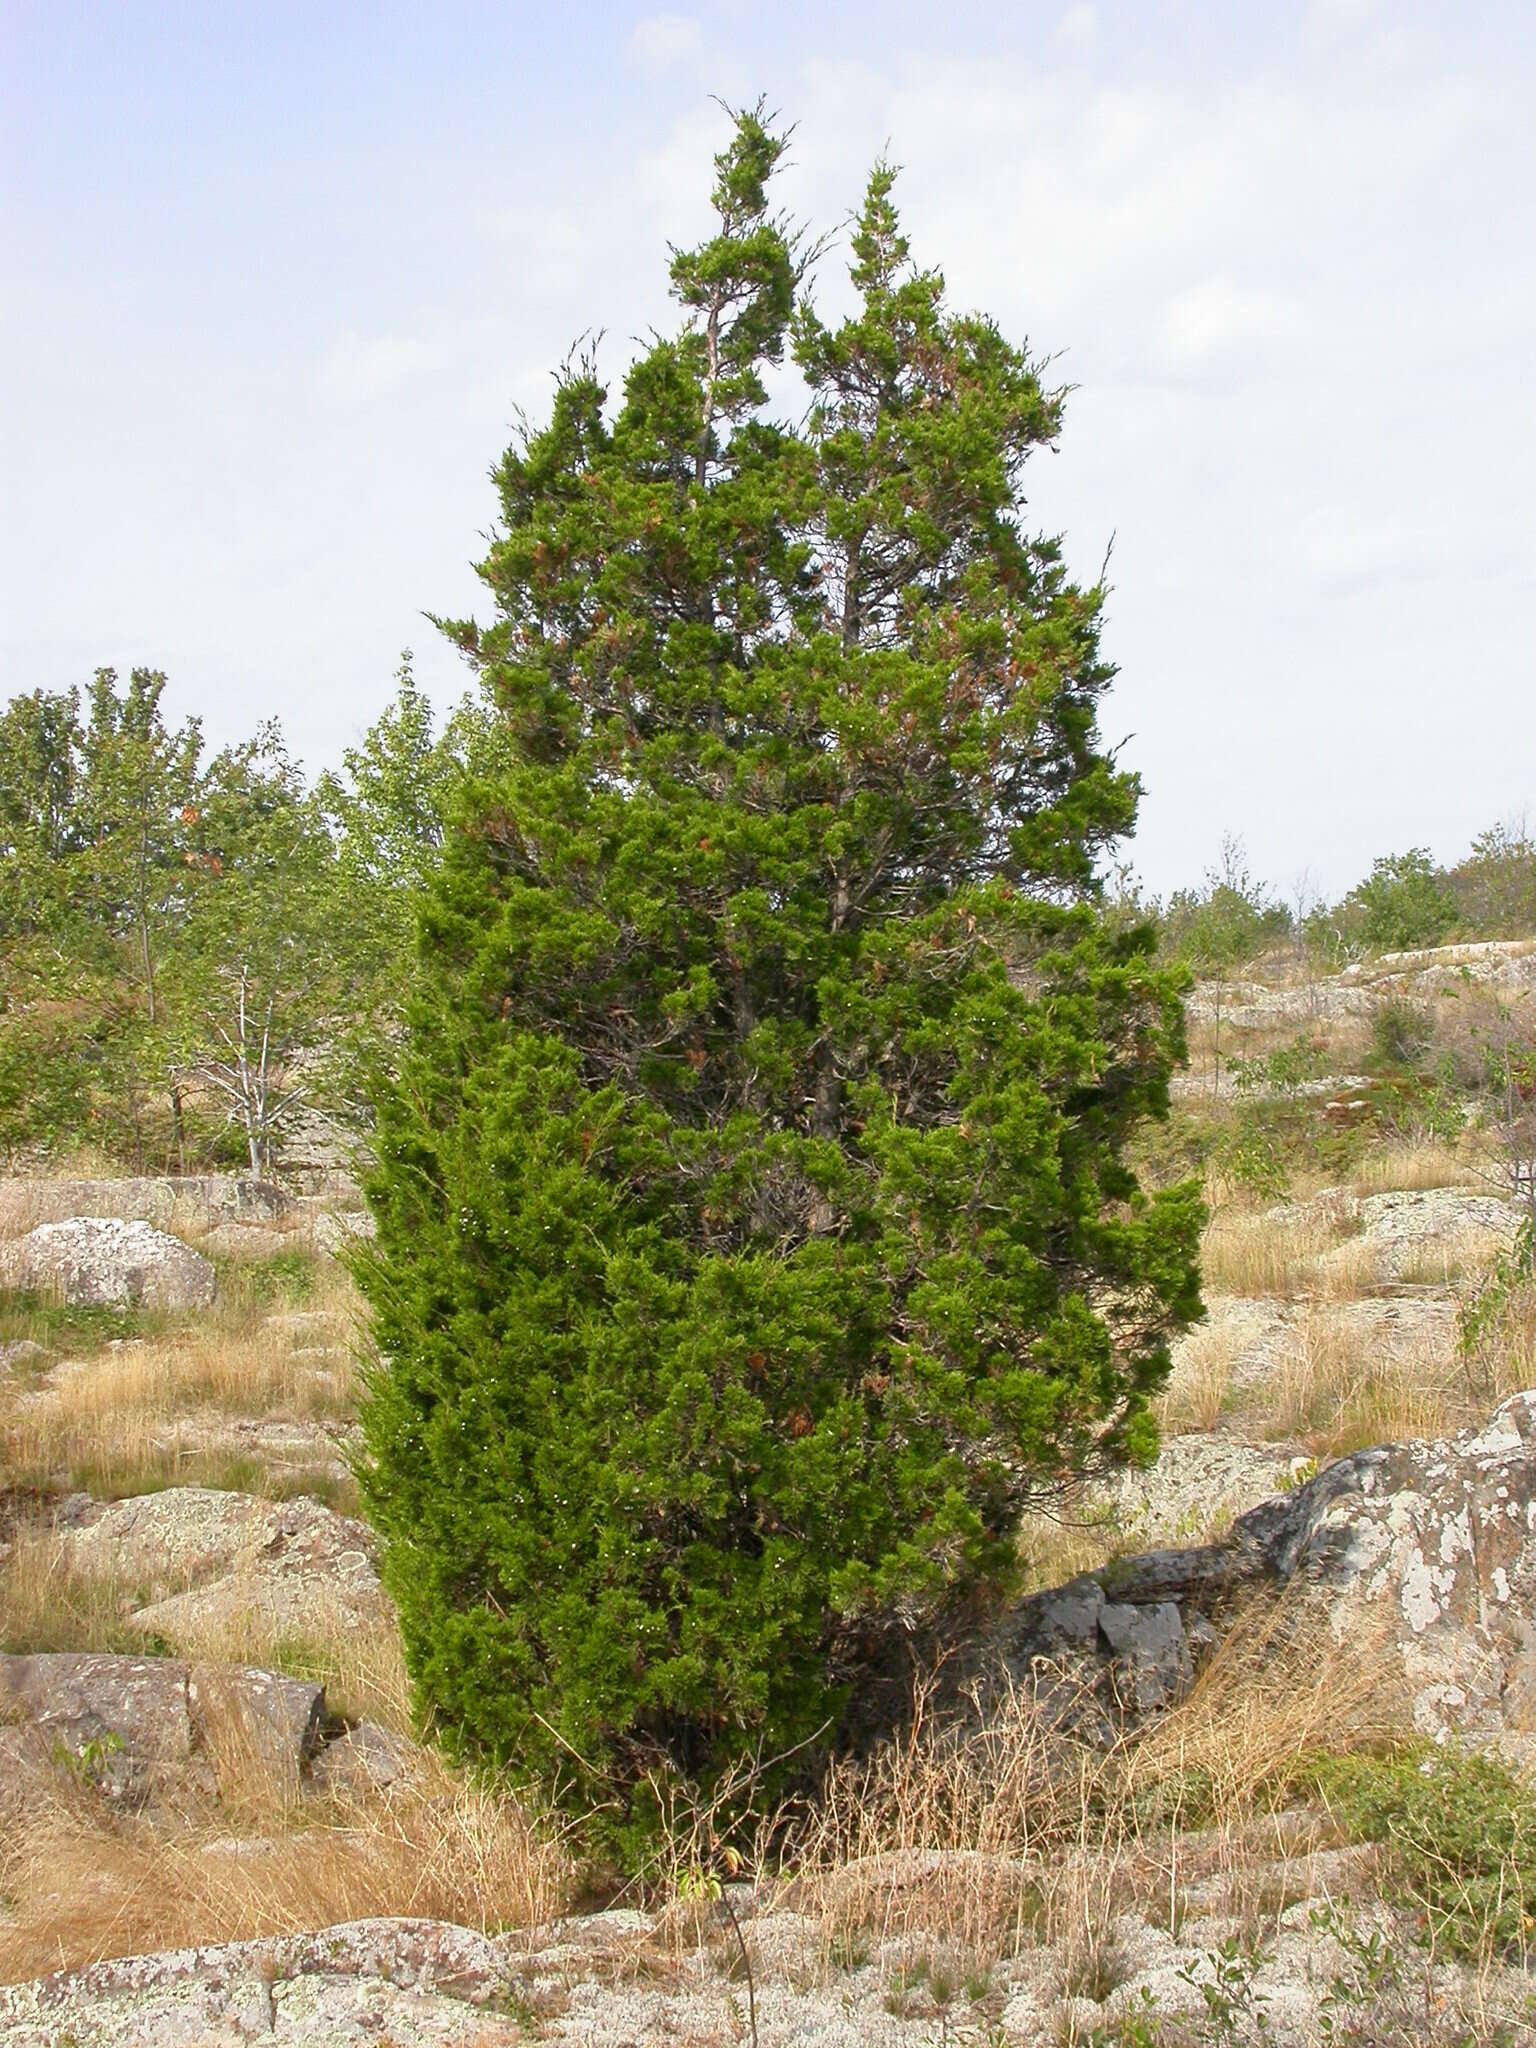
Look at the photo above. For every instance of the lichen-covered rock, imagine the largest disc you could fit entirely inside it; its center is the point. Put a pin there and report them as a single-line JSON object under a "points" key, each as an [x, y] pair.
{"points": [[100, 1261], [1429, 1548], [1199, 1481], [132, 1726], [361, 1760], [421, 1982], [123, 1722], [340, 1230], [215, 1562]]}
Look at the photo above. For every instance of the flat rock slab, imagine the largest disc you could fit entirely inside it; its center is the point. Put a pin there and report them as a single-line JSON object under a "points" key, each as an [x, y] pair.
{"points": [[427, 1984], [245, 1241], [207, 1198], [102, 1262], [418, 1982], [211, 1560], [1407, 1229]]}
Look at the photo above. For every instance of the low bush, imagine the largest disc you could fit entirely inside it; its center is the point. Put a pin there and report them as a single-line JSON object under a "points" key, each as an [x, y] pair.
{"points": [[1459, 1831], [1401, 1031]]}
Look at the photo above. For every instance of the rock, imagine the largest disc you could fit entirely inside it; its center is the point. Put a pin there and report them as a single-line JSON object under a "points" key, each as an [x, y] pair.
{"points": [[361, 1760], [220, 1563], [131, 1725], [1152, 1660], [201, 1199], [1413, 1227], [418, 1981], [21, 1351], [1430, 1545], [124, 1721], [245, 1241], [1406, 1229], [280, 1719], [337, 1230], [93, 1262], [1200, 1481]]}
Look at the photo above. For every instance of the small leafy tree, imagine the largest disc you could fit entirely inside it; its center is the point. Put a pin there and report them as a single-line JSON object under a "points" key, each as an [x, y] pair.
{"points": [[755, 1234], [1405, 903], [258, 973], [1220, 928], [385, 812], [93, 883], [1495, 886]]}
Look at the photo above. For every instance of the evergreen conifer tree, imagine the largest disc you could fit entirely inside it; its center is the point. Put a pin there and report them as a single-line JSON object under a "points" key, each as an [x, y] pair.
{"points": [[755, 1233]]}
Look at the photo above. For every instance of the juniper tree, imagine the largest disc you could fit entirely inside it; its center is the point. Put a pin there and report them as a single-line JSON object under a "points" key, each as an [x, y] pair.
{"points": [[755, 1235]]}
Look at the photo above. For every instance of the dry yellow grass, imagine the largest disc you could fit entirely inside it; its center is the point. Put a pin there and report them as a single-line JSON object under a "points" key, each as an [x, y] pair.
{"points": [[85, 1881], [359, 1661], [988, 1832], [48, 1604], [1335, 1394], [1316, 1251], [1055, 1547], [1389, 1168], [123, 1417], [1200, 1386], [50, 1600]]}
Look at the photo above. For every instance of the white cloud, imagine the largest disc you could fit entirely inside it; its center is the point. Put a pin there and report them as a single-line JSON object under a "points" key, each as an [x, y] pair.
{"points": [[1078, 28], [1216, 315], [665, 42], [358, 368]]}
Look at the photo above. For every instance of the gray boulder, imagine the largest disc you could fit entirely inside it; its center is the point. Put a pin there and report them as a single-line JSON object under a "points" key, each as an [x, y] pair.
{"points": [[134, 1726], [101, 1261], [213, 1563], [1428, 1549]]}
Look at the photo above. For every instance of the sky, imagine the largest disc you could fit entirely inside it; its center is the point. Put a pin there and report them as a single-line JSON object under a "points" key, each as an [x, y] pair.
{"points": [[275, 282]]}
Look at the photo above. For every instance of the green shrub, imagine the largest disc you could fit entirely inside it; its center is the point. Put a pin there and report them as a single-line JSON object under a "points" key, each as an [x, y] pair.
{"points": [[753, 1187], [1404, 903], [1401, 1031], [1459, 1832]]}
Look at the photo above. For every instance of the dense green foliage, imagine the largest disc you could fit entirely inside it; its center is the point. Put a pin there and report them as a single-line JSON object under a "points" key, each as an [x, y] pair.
{"points": [[1404, 902], [754, 1232], [1233, 919], [1459, 1830], [180, 934]]}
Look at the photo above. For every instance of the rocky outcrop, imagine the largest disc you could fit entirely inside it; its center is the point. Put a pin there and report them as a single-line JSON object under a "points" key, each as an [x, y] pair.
{"points": [[99, 1262], [417, 1981], [1409, 1230], [1199, 1482], [621, 1978], [340, 1230], [206, 1199], [215, 1563], [133, 1726], [1431, 1545]]}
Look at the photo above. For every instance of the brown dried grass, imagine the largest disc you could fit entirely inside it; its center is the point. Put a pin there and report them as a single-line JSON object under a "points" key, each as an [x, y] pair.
{"points": [[127, 1416], [1334, 1393], [1286, 1254], [86, 1882], [990, 1831], [1200, 1387], [51, 1599]]}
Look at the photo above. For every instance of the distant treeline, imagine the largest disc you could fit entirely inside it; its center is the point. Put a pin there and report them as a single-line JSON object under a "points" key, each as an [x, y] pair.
{"points": [[195, 946], [1406, 901]]}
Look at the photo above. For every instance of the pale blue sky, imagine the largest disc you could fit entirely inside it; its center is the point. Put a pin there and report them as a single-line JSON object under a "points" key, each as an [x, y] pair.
{"points": [[273, 281]]}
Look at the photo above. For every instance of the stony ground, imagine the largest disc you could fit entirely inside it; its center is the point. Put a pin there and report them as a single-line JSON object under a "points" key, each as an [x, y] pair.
{"points": [[176, 1501]]}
